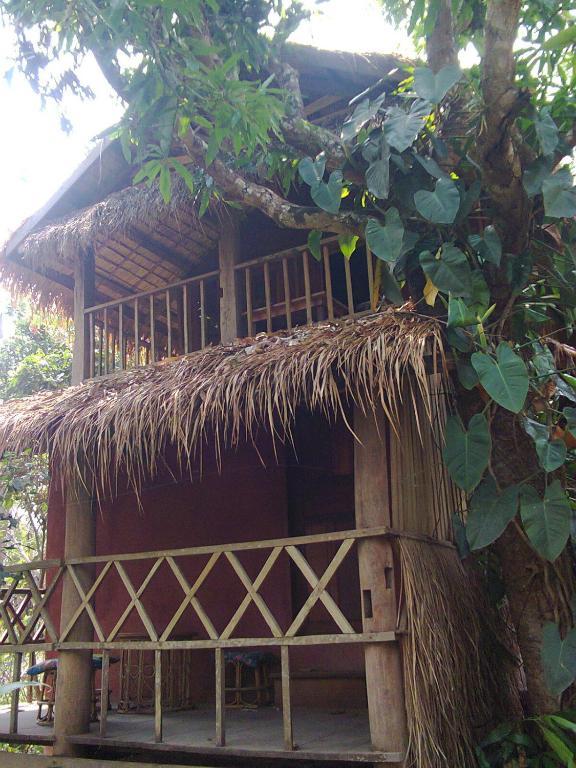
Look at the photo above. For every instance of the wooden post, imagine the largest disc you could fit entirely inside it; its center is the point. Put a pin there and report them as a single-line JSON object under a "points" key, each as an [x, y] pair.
{"points": [[74, 683], [386, 707], [84, 277], [228, 253]]}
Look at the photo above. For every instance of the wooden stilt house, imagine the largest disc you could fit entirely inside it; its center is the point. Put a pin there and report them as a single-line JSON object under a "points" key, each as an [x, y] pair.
{"points": [[249, 548]]}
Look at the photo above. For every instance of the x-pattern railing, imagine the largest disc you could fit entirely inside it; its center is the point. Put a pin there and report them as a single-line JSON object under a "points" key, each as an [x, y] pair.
{"points": [[25, 618], [24, 615], [319, 585]]}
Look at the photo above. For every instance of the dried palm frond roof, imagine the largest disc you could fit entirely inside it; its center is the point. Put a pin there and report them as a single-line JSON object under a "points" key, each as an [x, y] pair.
{"points": [[115, 213], [123, 423]]}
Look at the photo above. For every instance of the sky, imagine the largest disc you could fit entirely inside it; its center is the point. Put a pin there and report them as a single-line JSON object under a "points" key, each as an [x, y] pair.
{"points": [[36, 155]]}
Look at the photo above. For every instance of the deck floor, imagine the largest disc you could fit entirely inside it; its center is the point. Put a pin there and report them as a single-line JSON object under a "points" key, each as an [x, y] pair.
{"points": [[318, 734]]}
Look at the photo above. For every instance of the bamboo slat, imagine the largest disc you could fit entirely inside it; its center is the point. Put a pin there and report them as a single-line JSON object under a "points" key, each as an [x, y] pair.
{"points": [[152, 330], [136, 333], [169, 323], [328, 282], [220, 698], [202, 315], [104, 692], [106, 342], [248, 283], [349, 292], [185, 326], [15, 695], [122, 359], [307, 292], [158, 696], [287, 298], [286, 699], [267, 294]]}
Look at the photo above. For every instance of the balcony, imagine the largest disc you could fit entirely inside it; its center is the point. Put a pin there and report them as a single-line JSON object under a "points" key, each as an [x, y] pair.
{"points": [[193, 605], [277, 292]]}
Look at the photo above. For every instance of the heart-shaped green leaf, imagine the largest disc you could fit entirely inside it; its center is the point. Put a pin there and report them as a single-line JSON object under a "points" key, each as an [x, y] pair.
{"points": [[467, 452], [558, 658], [433, 87], [490, 513], [546, 131], [312, 171], [448, 269], [390, 288], [488, 246], [440, 205], [347, 245], [504, 378], [546, 521], [466, 374], [314, 240], [378, 178], [328, 195], [551, 454], [559, 195], [534, 176], [366, 110], [459, 315], [386, 242], [401, 128]]}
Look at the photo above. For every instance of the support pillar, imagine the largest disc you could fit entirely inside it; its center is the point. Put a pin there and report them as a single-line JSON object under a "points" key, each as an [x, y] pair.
{"points": [[384, 680], [74, 684], [84, 290], [228, 254]]}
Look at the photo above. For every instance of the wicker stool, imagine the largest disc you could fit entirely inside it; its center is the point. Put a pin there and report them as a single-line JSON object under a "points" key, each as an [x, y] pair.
{"points": [[248, 681]]}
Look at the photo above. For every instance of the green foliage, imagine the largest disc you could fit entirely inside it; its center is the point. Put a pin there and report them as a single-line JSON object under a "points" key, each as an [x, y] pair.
{"points": [[386, 242], [546, 741], [467, 452], [490, 513], [558, 658], [546, 520], [433, 87], [326, 195], [504, 377], [440, 205], [36, 357], [448, 269]]}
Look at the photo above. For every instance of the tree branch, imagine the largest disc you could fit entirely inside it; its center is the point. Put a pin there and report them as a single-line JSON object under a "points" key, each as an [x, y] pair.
{"points": [[280, 210], [440, 48]]}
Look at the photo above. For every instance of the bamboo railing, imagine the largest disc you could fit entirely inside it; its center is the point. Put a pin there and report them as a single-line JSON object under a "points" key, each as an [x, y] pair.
{"points": [[296, 289], [20, 633], [279, 291], [154, 325]]}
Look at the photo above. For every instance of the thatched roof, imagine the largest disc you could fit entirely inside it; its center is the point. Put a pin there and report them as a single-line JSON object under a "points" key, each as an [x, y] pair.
{"points": [[124, 422]]}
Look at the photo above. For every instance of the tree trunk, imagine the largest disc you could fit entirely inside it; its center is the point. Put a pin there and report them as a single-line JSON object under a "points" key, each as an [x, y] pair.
{"points": [[537, 591]]}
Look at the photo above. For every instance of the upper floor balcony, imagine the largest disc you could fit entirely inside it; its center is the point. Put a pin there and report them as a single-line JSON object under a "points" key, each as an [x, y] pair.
{"points": [[235, 299]]}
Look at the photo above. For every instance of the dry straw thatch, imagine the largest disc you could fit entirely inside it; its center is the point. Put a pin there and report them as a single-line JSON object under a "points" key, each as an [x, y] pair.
{"points": [[459, 671], [52, 245], [123, 423]]}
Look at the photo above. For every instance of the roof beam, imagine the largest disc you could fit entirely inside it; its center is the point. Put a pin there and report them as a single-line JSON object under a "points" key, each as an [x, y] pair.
{"points": [[158, 249]]}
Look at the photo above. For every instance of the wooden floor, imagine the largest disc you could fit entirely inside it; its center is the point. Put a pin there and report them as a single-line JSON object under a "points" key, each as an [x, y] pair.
{"points": [[319, 735]]}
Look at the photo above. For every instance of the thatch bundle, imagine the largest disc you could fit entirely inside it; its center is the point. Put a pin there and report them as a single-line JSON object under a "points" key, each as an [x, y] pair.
{"points": [[123, 423], [459, 674]]}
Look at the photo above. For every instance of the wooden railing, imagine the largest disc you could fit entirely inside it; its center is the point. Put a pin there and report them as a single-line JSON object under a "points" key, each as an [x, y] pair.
{"points": [[275, 292], [20, 632], [292, 288], [150, 326]]}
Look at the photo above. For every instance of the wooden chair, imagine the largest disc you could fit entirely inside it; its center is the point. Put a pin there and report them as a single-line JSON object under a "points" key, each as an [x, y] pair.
{"points": [[248, 682]]}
